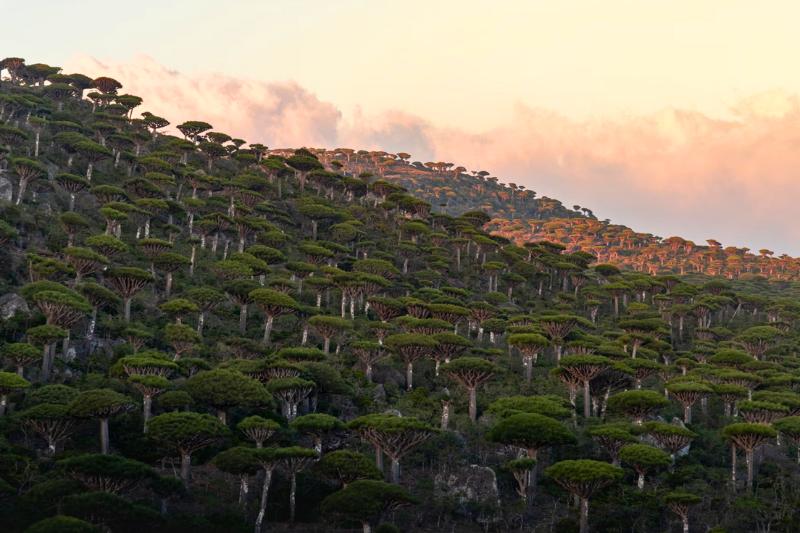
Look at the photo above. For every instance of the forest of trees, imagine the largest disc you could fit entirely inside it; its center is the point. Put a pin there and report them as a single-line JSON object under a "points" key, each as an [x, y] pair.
{"points": [[198, 333]]}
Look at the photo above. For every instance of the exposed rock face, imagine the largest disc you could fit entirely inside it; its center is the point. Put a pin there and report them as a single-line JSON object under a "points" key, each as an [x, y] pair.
{"points": [[6, 189], [11, 304], [474, 488]]}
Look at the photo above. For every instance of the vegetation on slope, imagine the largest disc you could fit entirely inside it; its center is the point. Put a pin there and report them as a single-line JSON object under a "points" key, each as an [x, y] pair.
{"points": [[201, 334]]}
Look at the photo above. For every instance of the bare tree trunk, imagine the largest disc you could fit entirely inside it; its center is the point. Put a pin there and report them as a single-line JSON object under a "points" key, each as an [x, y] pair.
{"points": [[104, 436], [584, 524], [267, 330], [200, 322], [147, 410], [242, 318], [186, 469], [262, 508], [587, 404], [292, 497], [473, 404]]}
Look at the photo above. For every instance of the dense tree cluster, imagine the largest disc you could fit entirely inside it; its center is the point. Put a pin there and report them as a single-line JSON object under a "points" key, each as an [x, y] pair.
{"points": [[644, 252], [201, 334]]}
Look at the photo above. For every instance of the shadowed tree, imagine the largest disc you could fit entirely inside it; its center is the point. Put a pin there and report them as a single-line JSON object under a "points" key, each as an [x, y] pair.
{"points": [[522, 470], [149, 387], [290, 392], [531, 432], [671, 437], [93, 153], [258, 429], [51, 421], [557, 327], [126, 282], [637, 404], [268, 460], [748, 437], [101, 404], [758, 339], [273, 304], [347, 466], [293, 460], [239, 292], [106, 473], [612, 437], [410, 347], [448, 347], [687, 393], [584, 477], [84, 261], [328, 327], [368, 353], [207, 299], [790, 428], [63, 524], [364, 501], [679, 503], [642, 457], [530, 345], [169, 263], [393, 435], [9, 384], [20, 355], [185, 433], [585, 368], [471, 373], [317, 425], [224, 389], [238, 461], [26, 170], [46, 336]]}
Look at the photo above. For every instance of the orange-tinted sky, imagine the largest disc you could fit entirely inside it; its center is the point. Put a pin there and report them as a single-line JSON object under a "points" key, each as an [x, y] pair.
{"points": [[674, 117]]}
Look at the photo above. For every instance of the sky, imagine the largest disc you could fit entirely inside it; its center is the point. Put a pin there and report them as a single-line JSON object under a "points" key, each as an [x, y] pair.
{"points": [[673, 117]]}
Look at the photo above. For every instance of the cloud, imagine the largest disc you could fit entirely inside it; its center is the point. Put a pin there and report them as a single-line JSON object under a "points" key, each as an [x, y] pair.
{"points": [[280, 114], [675, 172]]}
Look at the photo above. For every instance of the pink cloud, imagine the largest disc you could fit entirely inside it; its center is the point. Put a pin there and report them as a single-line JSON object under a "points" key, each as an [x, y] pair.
{"points": [[275, 113], [673, 172]]}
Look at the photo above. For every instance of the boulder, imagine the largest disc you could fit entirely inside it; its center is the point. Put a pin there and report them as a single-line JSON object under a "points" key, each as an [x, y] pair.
{"points": [[6, 189], [473, 488], [11, 304]]}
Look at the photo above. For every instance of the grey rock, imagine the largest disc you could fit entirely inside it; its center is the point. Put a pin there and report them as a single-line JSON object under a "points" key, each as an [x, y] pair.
{"points": [[11, 304], [6, 189], [71, 354], [473, 484], [379, 394]]}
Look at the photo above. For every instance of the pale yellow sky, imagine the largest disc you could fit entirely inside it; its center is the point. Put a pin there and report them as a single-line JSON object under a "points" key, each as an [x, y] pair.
{"points": [[463, 63], [567, 97]]}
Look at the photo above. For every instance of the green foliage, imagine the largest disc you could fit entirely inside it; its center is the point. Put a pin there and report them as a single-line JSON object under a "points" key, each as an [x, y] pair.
{"points": [[223, 389], [186, 432], [531, 431], [62, 524], [364, 501], [100, 403], [346, 466]]}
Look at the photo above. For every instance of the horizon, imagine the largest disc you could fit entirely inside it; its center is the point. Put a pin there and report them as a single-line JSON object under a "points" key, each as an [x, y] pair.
{"points": [[589, 121]]}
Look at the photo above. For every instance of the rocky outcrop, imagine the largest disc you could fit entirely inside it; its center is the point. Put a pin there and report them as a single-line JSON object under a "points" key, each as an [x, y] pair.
{"points": [[11, 304], [6, 189], [473, 488]]}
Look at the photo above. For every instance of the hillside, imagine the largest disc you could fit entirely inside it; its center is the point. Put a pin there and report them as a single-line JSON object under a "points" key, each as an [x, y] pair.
{"points": [[202, 334], [517, 214]]}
